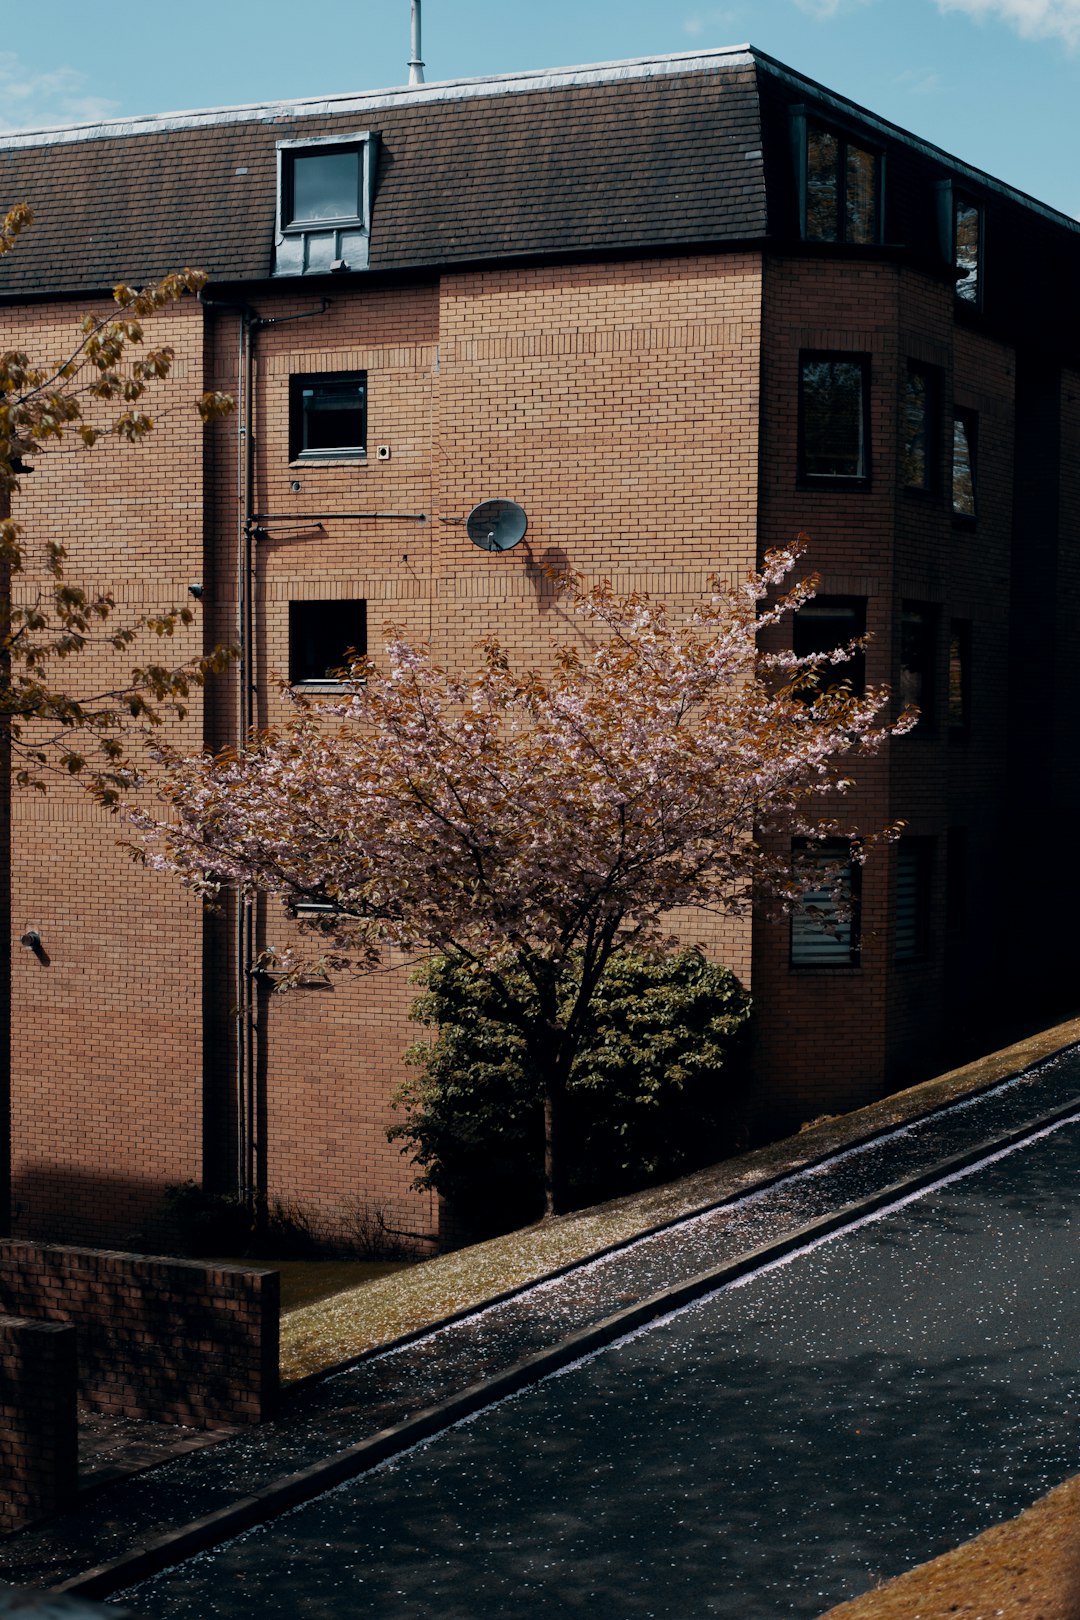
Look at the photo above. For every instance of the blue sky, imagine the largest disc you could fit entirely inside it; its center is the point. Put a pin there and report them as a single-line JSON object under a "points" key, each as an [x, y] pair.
{"points": [[997, 82]]}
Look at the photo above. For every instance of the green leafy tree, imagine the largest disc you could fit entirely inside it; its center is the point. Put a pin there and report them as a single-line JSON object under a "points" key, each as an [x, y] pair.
{"points": [[656, 1087]]}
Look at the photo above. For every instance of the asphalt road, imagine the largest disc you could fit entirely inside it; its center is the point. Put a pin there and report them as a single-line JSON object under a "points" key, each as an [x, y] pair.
{"points": [[766, 1452]]}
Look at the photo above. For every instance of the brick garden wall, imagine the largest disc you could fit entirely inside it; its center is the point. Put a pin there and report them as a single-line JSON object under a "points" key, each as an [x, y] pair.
{"points": [[38, 1432], [170, 1341]]}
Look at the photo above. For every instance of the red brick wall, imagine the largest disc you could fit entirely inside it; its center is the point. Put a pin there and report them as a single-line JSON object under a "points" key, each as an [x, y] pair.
{"points": [[832, 1038], [618, 405], [38, 1425], [172, 1341], [106, 1103]]}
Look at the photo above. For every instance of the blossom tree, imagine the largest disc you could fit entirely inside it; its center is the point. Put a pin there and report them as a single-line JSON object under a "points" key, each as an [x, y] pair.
{"points": [[530, 826], [49, 718]]}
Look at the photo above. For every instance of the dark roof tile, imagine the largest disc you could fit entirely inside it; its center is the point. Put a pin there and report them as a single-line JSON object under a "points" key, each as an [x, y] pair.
{"points": [[611, 162]]}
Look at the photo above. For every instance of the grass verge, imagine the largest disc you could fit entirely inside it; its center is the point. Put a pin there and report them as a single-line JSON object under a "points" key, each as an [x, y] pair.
{"points": [[1026, 1569]]}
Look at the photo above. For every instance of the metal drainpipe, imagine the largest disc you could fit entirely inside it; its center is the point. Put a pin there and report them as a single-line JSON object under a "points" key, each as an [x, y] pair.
{"points": [[245, 718], [246, 918], [245, 930]]}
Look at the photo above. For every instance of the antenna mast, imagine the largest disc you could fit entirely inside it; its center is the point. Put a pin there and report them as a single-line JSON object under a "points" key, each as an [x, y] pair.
{"points": [[416, 65]]}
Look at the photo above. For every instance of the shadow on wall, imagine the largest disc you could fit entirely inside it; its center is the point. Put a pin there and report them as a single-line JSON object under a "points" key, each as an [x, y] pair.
{"points": [[66, 1204], [56, 1203]]}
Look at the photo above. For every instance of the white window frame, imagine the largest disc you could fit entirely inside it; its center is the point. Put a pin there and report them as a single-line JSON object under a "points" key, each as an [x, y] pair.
{"points": [[315, 246]]}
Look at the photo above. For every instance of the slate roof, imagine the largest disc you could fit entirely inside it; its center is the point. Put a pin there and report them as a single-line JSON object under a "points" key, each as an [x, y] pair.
{"points": [[659, 152], [621, 156]]}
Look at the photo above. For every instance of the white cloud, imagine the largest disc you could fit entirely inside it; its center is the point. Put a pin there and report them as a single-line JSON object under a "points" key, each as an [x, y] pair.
{"points": [[704, 22], [1033, 19], [919, 81], [825, 10], [61, 96]]}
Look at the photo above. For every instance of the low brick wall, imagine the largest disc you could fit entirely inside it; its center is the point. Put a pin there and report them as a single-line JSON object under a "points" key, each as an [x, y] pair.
{"points": [[171, 1341], [39, 1442]]}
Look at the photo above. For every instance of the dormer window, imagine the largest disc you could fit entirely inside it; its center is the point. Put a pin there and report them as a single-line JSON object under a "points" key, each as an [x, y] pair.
{"points": [[839, 184], [324, 205], [967, 250], [962, 230], [323, 186]]}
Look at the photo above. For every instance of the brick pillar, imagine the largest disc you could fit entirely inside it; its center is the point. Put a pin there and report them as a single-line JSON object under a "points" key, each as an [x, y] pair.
{"points": [[39, 1445]]}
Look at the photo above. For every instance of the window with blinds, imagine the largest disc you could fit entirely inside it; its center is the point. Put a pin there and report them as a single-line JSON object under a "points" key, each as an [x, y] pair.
{"points": [[911, 915], [834, 421], [824, 924]]}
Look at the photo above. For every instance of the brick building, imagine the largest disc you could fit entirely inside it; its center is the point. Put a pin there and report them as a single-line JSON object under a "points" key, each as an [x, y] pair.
{"points": [[678, 309]]}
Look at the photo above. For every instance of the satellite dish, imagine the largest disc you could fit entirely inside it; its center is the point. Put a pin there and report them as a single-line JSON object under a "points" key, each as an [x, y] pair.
{"points": [[496, 525]]}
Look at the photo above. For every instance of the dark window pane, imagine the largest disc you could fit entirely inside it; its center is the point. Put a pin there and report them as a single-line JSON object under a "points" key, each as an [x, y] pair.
{"points": [[819, 936], [911, 932], [320, 636], [968, 232], [963, 465], [822, 185], [860, 196], [959, 674], [328, 415], [822, 626], [334, 418], [326, 186], [916, 428], [833, 419], [917, 662]]}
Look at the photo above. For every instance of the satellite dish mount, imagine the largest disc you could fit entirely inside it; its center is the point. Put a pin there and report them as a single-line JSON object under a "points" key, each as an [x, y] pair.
{"points": [[496, 525]]}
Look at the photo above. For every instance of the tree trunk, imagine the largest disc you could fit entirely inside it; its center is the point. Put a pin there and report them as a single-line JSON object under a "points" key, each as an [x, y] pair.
{"points": [[5, 893], [554, 1094]]}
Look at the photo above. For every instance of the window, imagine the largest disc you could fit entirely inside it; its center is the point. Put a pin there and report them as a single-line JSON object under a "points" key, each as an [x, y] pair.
{"points": [[834, 429], [967, 251], [328, 417], [920, 417], [823, 625], [324, 204], [321, 186], [841, 189], [820, 935], [911, 921], [321, 635], [965, 442], [918, 656], [959, 677]]}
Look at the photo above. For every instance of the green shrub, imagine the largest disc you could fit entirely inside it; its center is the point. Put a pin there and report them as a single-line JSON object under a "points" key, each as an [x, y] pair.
{"points": [[656, 1089], [207, 1223]]}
